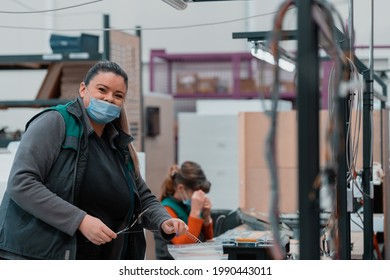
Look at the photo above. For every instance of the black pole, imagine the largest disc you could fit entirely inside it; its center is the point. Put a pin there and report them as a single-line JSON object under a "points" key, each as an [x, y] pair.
{"points": [[106, 37], [368, 207], [308, 132], [344, 216], [368, 100], [142, 115], [343, 152]]}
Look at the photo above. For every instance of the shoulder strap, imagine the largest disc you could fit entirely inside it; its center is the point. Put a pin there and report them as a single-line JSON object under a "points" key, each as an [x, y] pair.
{"points": [[72, 126], [172, 203]]}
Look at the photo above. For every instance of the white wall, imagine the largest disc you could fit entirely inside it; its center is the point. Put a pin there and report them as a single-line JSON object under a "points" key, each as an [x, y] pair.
{"points": [[202, 27], [210, 138], [212, 141], [19, 85], [192, 30], [233, 107]]}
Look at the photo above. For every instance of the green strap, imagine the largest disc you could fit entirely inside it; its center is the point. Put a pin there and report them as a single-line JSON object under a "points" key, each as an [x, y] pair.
{"points": [[172, 203], [72, 126], [73, 129]]}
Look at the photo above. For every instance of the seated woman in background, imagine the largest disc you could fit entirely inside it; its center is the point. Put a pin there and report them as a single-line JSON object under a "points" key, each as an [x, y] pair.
{"points": [[184, 196]]}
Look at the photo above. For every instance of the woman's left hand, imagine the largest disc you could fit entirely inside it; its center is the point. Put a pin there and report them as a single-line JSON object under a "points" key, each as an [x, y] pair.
{"points": [[175, 226], [206, 211]]}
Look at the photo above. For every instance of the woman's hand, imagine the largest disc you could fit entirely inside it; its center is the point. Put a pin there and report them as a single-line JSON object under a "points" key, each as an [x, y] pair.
{"points": [[175, 226], [96, 231], [206, 211], [197, 203]]}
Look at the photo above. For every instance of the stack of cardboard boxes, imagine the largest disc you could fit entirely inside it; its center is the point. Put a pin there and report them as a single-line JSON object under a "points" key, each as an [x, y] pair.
{"points": [[191, 83]]}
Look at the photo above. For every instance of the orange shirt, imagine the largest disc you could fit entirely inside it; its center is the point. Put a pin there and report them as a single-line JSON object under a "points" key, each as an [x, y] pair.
{"points": [[195, 227]]}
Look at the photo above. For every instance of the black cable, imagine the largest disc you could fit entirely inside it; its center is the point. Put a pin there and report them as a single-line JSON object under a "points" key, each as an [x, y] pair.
{"points": [[51, 10], [133, 29]]}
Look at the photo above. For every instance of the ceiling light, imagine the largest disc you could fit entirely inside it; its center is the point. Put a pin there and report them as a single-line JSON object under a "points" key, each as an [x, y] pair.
{"points": [[259, 52], [182, 4]]}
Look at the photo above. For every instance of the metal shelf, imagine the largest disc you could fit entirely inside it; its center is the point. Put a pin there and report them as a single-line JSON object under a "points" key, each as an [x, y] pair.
{"points": [[225, 76], [43, 61]]}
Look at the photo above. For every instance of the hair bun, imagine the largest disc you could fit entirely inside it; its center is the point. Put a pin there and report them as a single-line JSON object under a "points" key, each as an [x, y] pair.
{"points": [[173, 170]]}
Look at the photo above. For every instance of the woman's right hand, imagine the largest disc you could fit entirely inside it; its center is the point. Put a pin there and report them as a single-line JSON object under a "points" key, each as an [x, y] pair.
{"points": [[197, 203], [96, 231], [174, 225]]}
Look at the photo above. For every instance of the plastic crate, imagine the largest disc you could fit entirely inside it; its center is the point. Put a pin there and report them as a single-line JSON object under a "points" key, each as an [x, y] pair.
{"points": [[67, 44]]}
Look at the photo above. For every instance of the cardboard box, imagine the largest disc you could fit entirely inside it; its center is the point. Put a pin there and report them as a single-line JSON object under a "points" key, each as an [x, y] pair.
{"points": [[254, 175], [287, 86], [186, 82], [264, 89], [207, 85], [247, 85]]}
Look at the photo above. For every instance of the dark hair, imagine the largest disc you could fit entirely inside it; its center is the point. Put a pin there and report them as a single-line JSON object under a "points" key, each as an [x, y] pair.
{"points": [[190, 174], [105, 66]]}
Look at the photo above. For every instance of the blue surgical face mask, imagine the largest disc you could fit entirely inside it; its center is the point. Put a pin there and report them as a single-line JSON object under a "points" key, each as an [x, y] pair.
{"points": [[187, 202], [102, 111]]}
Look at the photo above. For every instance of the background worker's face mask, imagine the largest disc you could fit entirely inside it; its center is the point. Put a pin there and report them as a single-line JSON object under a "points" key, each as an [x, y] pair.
{"points": [[101, 111], [185, 199], [187, 202]]}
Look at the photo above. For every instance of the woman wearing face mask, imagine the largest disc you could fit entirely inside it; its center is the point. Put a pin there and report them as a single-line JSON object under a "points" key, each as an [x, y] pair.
{"points": [[75, 189], [184, 196]]}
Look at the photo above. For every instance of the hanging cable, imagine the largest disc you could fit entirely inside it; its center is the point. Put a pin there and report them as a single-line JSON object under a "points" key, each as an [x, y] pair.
{"points": [[51, 10], [277, 250], [134, 29]]}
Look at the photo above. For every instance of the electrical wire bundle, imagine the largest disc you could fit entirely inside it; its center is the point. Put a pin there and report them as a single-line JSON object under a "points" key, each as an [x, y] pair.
{"points": [[323, 16], [278, 251]]}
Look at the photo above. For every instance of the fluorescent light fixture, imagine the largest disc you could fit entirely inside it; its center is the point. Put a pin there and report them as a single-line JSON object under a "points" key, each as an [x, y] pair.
{"points": [[182, 4], [177, 4], [258, 52]]}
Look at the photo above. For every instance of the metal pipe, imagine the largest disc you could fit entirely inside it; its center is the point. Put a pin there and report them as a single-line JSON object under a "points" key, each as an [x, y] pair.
{"points": [[386, 209], [367, 149], [371, 54], [106, 37], [351, 30], [36, 103], [142, 116], [308, 132]]}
